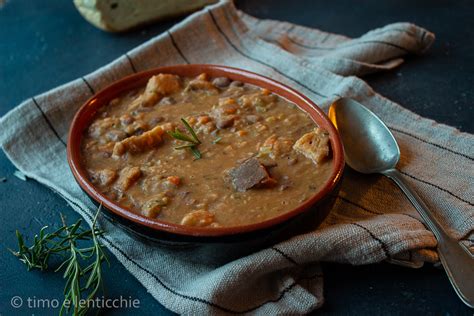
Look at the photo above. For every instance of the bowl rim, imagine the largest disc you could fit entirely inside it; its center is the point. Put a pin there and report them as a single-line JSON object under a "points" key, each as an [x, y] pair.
{"points": [[87, 111]]}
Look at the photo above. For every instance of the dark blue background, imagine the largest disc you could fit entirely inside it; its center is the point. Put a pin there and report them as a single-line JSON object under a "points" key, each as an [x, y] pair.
{"points": [[46, 43]]}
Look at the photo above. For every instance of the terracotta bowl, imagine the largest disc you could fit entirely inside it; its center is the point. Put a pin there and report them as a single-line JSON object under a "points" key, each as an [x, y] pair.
{"points": [[306, 216]]}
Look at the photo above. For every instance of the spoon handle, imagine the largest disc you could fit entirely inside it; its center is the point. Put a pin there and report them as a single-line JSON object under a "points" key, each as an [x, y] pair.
{"points": [[457, 261]]}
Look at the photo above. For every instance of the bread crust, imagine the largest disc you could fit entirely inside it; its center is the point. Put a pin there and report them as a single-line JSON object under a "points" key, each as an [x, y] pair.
{"points": [[123, 15]]}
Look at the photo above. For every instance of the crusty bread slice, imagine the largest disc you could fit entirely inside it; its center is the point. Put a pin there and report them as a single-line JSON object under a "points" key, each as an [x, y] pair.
{"points": [[121, 15], [314, 145]]}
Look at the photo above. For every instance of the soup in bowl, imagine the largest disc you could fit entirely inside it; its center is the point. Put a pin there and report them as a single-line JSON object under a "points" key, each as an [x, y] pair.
{"points": [[204, 150]]}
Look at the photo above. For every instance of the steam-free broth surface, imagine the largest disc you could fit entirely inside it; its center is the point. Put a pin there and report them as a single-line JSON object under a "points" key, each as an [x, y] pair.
{"points": [[254, 155]]}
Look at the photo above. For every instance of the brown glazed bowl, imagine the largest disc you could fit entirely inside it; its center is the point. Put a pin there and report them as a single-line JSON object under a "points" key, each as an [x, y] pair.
{"points": [[306, 216]]}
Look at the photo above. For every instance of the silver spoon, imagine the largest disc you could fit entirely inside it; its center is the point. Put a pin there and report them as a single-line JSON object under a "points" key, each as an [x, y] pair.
{"points": [[371, 148]]}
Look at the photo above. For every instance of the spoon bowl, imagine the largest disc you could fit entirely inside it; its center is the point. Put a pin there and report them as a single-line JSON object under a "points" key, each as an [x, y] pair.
{"points": [[368, 144]]}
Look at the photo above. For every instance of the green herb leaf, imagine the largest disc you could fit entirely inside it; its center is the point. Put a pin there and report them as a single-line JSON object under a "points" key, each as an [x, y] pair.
{"points": [[195, 152], [190, 129], [180, 136], [218, 139], [184, 146]]}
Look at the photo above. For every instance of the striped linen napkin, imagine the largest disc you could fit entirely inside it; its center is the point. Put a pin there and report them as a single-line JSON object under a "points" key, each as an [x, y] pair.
{"points": [[371, 221]]}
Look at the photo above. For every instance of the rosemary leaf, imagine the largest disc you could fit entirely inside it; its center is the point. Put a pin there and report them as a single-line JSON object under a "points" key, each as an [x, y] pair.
{"points": [[218, 139], [184, 146], [190, 129], [180, 136], [195, 152]]}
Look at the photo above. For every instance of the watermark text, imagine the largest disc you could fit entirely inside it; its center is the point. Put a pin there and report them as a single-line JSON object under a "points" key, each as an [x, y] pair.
{"points": [[93, 303]]}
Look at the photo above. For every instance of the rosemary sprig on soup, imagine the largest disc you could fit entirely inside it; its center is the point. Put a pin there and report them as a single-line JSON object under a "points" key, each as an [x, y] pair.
{"points": [[192, 141], [139, 150]]}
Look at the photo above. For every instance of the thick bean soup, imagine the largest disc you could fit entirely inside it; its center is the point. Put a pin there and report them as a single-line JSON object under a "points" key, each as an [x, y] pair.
{"points": [[205, 152]]}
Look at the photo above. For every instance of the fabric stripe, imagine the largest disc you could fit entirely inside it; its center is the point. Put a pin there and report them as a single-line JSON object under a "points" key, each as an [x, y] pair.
{"points": [[48, 121], [177, 48], [437, 187], [381, 243], [130, 61], [256, 60], [88, 85], [428, 142], [285, 255], [391, 30], [325, 38], [373, 212], [352, 45], [359, 206]]}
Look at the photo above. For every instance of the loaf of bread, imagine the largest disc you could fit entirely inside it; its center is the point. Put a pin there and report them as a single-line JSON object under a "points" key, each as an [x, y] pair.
{"points": [[121, 15]]}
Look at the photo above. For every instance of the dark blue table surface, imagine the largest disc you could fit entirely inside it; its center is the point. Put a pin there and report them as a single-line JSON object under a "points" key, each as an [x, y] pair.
{"points": [[46, 43]]}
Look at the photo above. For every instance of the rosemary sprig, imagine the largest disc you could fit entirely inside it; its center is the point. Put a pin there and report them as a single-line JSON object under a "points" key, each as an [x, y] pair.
{"points": [[190, 129], [82, 283], [95, 268], [192, 140]]}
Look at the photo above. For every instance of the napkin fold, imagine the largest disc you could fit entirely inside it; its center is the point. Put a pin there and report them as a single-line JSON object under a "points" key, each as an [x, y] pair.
{"points": [[371, 221]]}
